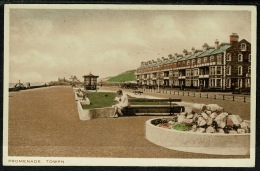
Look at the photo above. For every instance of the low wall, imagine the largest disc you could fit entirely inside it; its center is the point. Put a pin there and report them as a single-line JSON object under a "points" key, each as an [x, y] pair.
{"points": [[89, 114], [206, 143]]}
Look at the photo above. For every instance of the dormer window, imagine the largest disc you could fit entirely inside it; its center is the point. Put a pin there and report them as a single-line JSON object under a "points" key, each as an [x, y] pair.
{"points": [[212, 59], [243, 47], [193, 61], [240, 57], [205, 59], [219, 58], [229, 57], [199, 61]]}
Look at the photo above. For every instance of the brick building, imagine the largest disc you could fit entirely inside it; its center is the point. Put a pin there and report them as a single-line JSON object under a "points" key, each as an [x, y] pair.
{"points": [[222, 66]]}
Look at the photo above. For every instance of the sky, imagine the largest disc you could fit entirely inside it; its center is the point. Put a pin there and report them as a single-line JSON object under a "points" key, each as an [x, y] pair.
{"points": [[45, 44]]}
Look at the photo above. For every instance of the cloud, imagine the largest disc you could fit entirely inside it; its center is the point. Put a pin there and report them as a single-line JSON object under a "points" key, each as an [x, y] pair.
{"points": [[166, 28]]}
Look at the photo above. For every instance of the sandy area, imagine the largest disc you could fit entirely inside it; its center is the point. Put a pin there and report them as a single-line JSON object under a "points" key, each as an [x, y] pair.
{"points": [[45, 122]]}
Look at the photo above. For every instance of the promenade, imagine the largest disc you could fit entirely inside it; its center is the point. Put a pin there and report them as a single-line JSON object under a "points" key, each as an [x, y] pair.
{"points": [[44, 122]]}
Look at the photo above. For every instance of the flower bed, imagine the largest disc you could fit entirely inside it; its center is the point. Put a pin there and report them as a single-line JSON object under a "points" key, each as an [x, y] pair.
{"points": [[202, 129]]}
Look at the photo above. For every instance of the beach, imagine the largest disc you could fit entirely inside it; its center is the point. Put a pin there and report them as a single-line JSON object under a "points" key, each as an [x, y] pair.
{"points": [[44, 122]]}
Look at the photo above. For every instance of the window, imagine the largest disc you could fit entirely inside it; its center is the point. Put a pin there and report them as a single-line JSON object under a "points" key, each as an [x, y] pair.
{"points": [[212, 70], [219, 58], [243, 46], [212, 59], [249, 69], [183, 63], [249, 58], [240, 70], [219, 70], [199, 61], [229, 57], [193, 61], [205, 59], [228, 70], [240, 57], [240, 82], [228, 83], [218, 82], [188, 62]]}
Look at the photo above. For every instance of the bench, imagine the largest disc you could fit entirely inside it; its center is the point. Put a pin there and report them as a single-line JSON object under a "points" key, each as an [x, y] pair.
{"points": [[169, 108]]}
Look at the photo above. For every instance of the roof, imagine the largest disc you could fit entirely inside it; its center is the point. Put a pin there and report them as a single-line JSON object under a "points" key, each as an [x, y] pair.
{"points": [[207, 52], [195, 55], [90, 75], [185, 57], [220, 49]]}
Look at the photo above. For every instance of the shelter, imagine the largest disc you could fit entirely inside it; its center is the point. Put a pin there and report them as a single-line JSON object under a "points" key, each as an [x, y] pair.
{"points": [[90, 82]]}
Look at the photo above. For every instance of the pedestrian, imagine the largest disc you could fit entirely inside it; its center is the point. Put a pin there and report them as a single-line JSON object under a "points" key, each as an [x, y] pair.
{"points": [[122, 102]]}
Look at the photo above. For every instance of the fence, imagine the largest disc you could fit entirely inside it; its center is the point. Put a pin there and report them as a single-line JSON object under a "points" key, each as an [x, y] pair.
{"points": [[201, 95]]}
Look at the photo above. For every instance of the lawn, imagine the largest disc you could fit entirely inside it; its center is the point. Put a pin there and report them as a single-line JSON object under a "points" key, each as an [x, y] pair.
{"points": [[100, 100], [128, 76]]}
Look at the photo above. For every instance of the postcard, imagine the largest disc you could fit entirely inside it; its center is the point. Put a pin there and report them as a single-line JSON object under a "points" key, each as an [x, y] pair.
{"points": [[129, 85]]}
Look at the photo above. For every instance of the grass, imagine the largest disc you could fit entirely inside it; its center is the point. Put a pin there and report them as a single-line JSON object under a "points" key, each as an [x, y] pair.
{"points": [[100, 100], [127, 76], [181, 127]]}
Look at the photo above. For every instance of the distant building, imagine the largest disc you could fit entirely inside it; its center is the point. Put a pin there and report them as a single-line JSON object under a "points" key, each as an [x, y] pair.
{"points": [[221, 66], [90, 82]]}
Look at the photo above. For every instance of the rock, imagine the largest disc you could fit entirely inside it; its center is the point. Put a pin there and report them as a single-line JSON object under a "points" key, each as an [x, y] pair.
{"points": [[201, 121], [188, 110], [210, 129], [221, 131], [189, 116], [221, 119], [209, 121], [244, 125], [171, 122], [183, 113], [229, 122], [164, 125], [232, 132], [198, 108], [204, 115], [181, 118], [208, 112], [188, 121], [213, 115], [194, 128], [200, 130], [214, 108], [235, 119], [241, 131]]}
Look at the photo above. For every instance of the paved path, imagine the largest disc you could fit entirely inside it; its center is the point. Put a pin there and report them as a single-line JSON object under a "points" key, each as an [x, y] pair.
{"points": [[45, 122]]}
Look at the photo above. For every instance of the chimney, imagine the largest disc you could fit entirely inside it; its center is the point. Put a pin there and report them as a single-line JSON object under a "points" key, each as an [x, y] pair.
{"points": [[193, 50], [216, 44], [205, 46], [142, 63], [233, 38], [185, 52]]}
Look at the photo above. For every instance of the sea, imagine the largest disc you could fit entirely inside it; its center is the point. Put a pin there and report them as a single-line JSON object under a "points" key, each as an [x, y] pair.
{"points": [[11, 85]]}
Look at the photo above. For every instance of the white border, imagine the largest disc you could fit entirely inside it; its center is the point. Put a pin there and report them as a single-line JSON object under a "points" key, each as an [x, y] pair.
{"points": [[79, 161]]}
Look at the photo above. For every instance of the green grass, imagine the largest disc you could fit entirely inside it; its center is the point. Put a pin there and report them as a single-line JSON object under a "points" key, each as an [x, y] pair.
{"points": [[127, 76], [100, 100], [181, 127]]}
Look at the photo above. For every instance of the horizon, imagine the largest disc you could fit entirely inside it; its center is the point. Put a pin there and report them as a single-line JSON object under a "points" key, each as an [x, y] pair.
{"points": [[46, 44]]}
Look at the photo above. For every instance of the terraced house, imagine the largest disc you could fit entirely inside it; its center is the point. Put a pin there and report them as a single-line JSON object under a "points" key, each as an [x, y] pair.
{"points": [[222, 66]]}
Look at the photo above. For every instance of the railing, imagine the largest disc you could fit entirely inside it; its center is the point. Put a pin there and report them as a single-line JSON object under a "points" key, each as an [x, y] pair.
{"points": [[201, 95]]}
